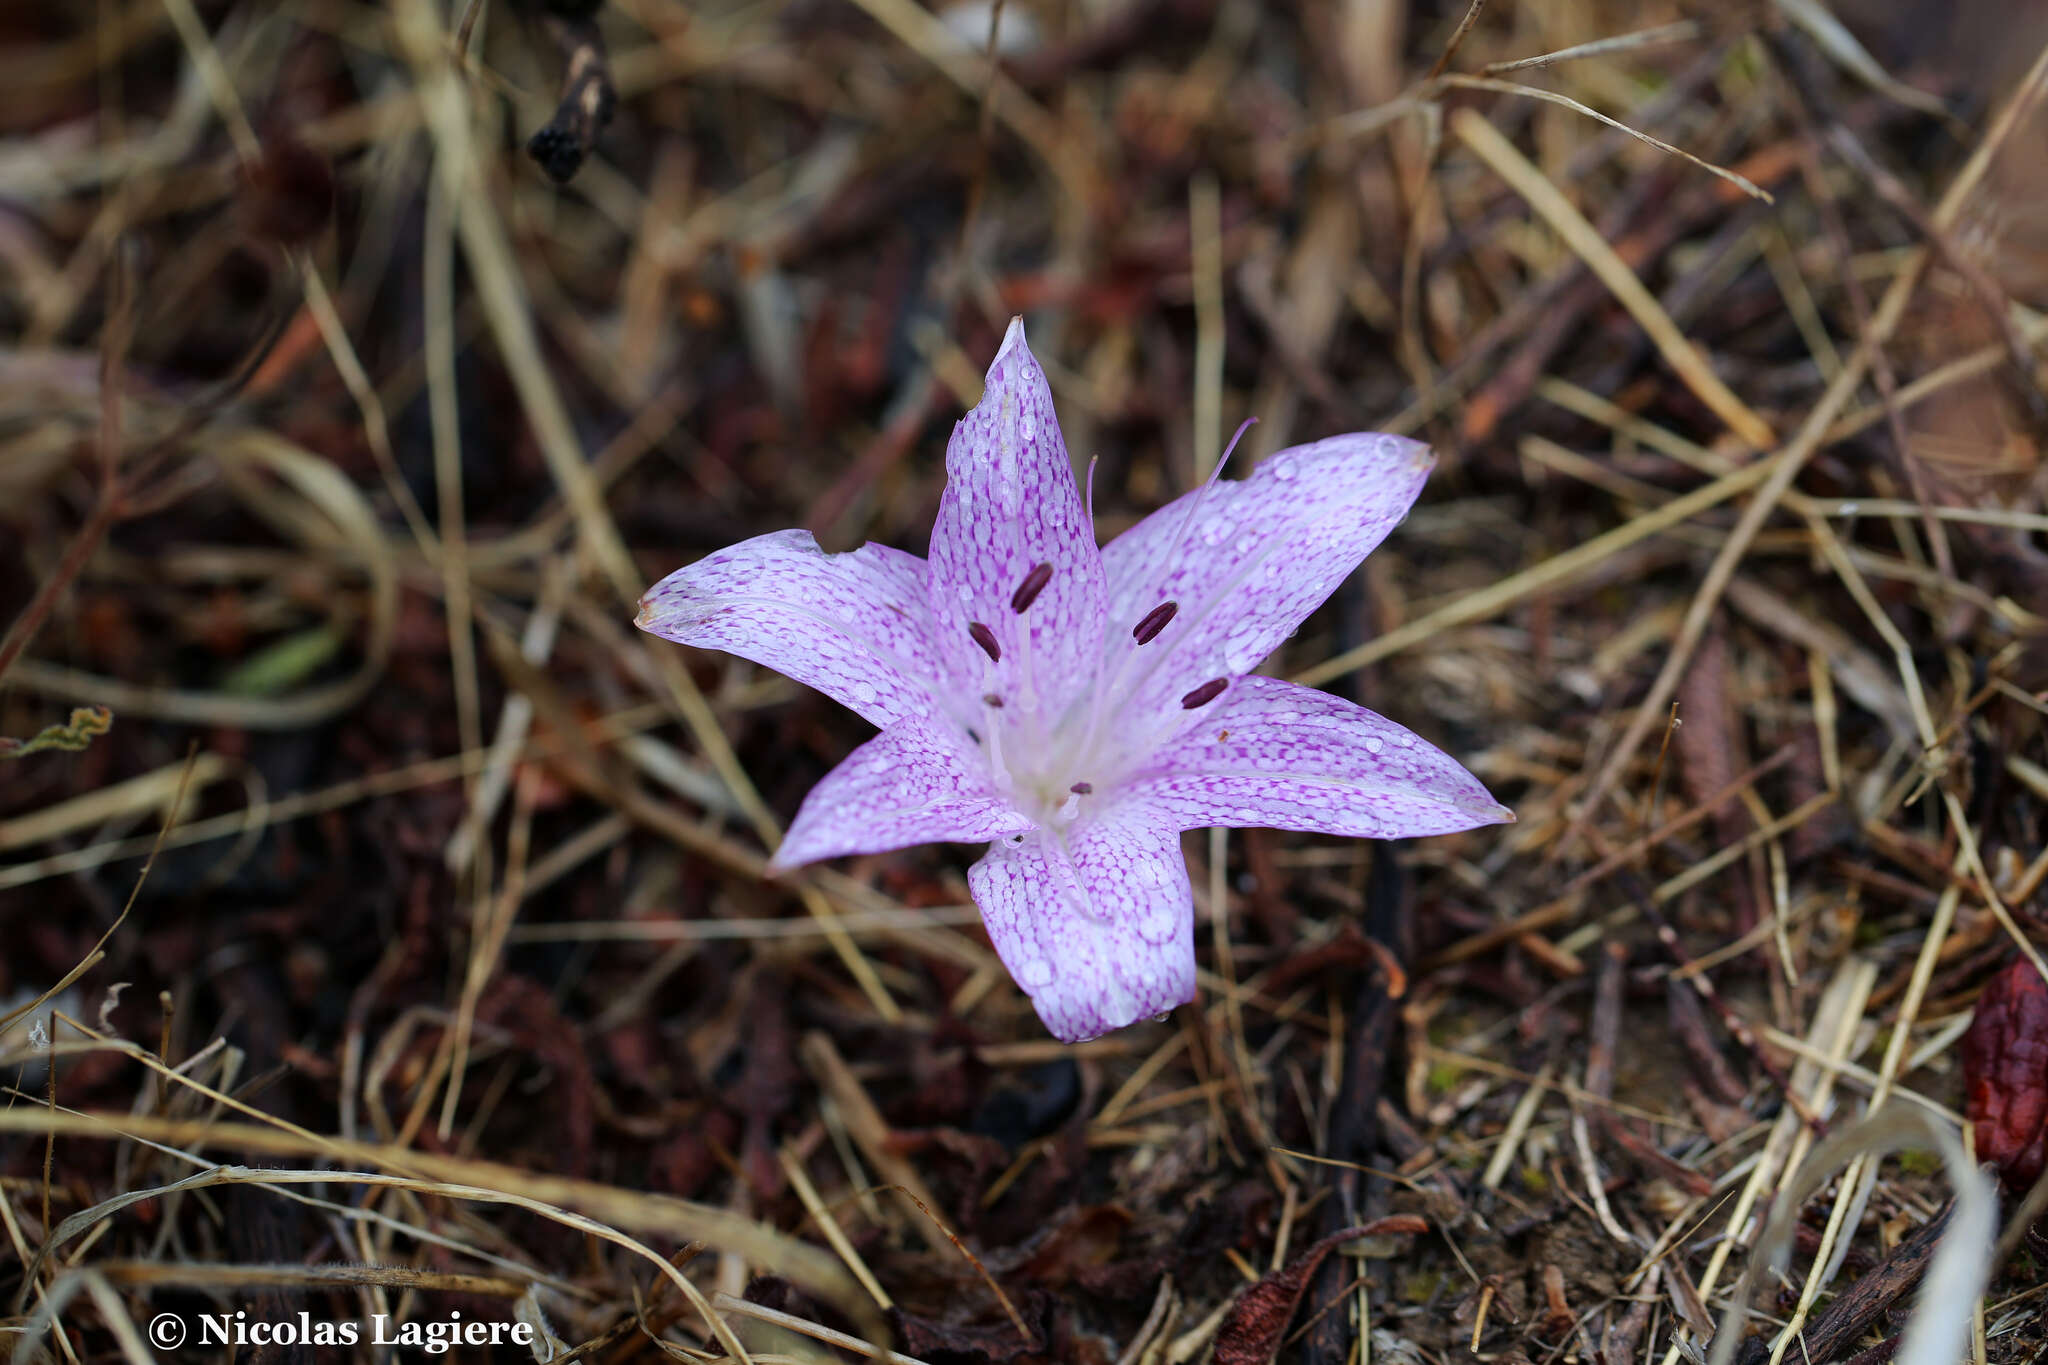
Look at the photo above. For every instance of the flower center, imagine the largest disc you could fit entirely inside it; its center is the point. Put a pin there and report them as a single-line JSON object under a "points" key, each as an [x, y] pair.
{"points": [[1050, 772]]}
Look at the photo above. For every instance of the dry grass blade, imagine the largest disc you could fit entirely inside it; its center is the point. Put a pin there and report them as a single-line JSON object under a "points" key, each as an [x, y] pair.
{"points": [[604, 1209], [1941, 1321], [1586, 243], [458, 980], [1681, 31], [867, 1350], [1500, 87]]}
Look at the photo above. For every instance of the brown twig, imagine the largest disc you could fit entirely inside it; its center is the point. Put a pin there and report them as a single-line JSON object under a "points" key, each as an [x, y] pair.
{"points": [[1738, 1028], [1852, 1311], [563, 143], [106, 510]]}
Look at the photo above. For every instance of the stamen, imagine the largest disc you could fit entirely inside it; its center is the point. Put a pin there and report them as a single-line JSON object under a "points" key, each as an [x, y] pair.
{"points": [[1082, 788], [986, 638], [992, 700], [1242, 427], [1203, 695], [1027, 591], [1195, 503], [1114, 685], [1147, 630]]}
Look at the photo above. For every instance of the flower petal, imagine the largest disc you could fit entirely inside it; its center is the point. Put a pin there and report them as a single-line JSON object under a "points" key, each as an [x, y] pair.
{"points": [[918, 782], [1011, 505], [1275, 755], [1098, 930], [856, 626], [1260, 554]]}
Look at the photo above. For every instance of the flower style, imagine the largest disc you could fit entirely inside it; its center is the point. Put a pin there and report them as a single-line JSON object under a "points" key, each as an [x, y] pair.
{"points": [[1078, 708]]}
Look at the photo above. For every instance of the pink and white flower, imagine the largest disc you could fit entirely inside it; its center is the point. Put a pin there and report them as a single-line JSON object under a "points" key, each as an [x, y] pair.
{"points": [[1078, 708]]}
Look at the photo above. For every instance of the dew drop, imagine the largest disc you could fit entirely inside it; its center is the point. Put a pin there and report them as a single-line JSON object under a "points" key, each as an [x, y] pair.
{"points": [[1162, 1018], [1283, 469], [1241, 650], [1034, 973], [1373, 746]]}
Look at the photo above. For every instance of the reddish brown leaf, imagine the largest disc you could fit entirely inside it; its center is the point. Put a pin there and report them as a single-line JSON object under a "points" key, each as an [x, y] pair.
{"points": [[988, 1341], [1084, 1239], [1252, 1331], [2005, 1074]]}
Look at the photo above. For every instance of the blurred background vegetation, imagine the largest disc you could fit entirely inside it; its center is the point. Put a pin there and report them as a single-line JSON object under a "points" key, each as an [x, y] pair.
{"points": [[361, 363]]}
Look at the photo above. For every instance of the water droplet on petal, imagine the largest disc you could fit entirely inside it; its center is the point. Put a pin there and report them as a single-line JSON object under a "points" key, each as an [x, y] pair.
{"points": [[1034, 973], [1283, 469], [1373, 746], [1162, 1018], [1241, 651]]}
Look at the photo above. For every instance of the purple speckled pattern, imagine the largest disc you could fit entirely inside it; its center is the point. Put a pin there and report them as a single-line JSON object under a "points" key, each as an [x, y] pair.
{"points": [[856, 626], [1097, 925], [1277, 755], [1257, 556], [1011, 504], [918, 782], [1078, 753]]}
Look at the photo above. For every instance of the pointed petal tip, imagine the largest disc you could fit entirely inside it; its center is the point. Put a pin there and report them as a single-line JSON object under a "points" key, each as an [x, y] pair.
{"points": [[1013, 341]]}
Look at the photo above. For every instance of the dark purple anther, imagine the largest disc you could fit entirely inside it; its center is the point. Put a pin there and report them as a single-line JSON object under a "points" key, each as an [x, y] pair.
{"points": [[990, 699], [1082, 788], [1204, 694], [986, 638], [1147, 630], [1027, 591]]}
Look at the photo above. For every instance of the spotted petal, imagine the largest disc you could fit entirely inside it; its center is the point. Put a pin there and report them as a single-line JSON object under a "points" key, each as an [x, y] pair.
{"points": [[1259, 555], [918, 782], [856, 626], [1010, 505], [1275, 755], [1097, 928]]}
